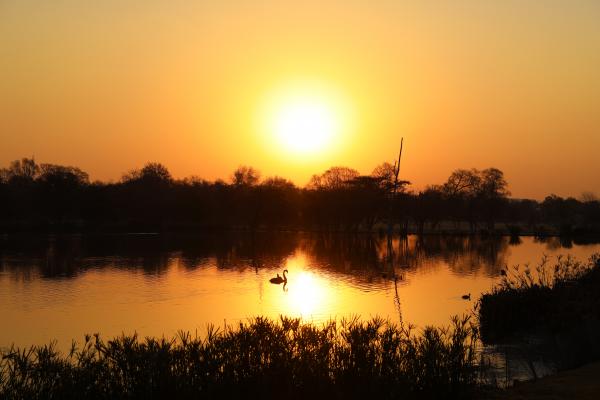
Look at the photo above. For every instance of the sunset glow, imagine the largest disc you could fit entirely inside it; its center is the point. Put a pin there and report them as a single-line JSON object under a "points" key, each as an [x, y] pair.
{"points": [[293, 88]]}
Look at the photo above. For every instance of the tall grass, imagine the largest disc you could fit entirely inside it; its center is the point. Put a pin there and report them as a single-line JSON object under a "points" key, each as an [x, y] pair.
{"points": [[552, 297], [261, 358]]}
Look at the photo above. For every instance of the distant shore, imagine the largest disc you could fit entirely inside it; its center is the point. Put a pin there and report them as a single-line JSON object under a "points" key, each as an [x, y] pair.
{"points": [[53, 198], [445, 228]]}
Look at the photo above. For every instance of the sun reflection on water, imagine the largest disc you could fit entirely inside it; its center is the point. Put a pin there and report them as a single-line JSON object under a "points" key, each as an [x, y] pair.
{"points": [[307, 293], [159, 292]]}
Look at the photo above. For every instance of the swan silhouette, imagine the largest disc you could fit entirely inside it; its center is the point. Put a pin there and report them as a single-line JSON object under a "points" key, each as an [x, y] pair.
{"points": [[466, 296], [277, 280]]}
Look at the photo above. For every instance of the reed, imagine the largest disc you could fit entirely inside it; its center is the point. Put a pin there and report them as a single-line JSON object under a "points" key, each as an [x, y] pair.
{"points": [[261, 358], [552, 297]]}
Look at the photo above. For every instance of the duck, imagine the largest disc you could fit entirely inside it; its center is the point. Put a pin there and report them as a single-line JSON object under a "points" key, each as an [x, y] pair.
{"points": [[466, 296], [278, 279]]}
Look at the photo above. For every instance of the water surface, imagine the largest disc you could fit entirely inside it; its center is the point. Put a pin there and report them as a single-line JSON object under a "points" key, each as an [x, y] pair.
{"points": [[61, 287]]}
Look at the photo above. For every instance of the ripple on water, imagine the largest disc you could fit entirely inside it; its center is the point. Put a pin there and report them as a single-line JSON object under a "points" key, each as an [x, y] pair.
{"points": [[62, 289]]}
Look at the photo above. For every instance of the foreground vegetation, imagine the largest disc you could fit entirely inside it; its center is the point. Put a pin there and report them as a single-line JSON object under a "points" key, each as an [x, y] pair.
{"points": [[258, 359], [559, 301], [47, 197]]}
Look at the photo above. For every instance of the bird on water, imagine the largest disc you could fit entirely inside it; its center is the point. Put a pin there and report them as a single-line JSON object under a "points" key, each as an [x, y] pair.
{"points": [[278, 279]]}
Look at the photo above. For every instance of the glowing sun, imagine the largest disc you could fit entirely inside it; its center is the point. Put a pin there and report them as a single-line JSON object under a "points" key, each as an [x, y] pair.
{"points": [[305, 125], [305, 119]]}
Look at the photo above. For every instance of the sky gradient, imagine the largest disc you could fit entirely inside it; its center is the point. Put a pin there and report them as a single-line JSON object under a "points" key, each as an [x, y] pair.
{"points": [[109, 86]]}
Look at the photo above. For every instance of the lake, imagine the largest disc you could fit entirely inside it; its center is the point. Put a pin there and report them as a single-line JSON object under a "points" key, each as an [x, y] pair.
{"points": [[61, 287]]}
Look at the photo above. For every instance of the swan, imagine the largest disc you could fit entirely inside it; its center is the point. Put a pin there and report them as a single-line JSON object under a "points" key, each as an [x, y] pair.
{"points": [[466, 296], [277, 280]]}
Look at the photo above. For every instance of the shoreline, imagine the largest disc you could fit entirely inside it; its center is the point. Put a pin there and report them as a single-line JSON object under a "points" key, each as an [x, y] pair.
{"points": [[580, 383], [241, 230]]}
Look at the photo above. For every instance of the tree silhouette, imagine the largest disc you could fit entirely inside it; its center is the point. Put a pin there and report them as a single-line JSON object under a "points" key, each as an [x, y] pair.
{"points": [[245, 176], [61, 177], [463, 182], [55, 197], [24, 170], [492, 184], [333, 178], [385, 174], [152, 173], [588, 197]]}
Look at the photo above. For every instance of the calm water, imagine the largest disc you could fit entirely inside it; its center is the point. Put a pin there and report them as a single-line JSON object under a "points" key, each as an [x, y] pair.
{"points": [[61, 287]]}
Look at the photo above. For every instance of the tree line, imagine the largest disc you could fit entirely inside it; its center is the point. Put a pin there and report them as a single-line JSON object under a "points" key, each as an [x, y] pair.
{"points": [[55, 197]]}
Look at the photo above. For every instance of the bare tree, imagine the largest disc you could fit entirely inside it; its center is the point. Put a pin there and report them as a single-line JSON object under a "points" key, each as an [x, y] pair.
{"points": [[333, 178], [385, 173], [588, 197], [25, 170], [152, 172], [245, 176], [492, 184], [463, 182], [61, 176], [278, 182]]}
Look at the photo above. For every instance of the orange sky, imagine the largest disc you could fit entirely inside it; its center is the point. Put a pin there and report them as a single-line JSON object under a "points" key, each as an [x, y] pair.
{"points": [[109, 86]]}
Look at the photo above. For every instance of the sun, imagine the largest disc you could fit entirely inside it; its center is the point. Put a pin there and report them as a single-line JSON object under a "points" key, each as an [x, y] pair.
{"points": [[304, 120], [305, 125]]}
